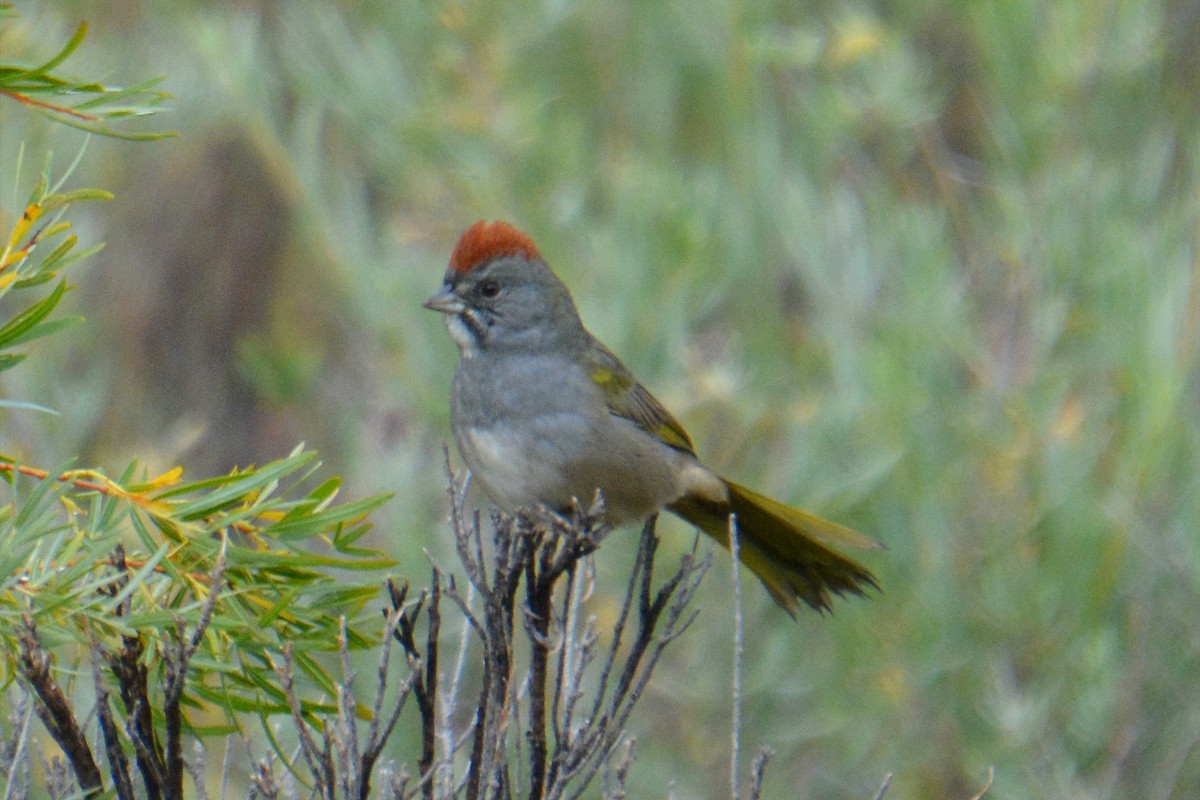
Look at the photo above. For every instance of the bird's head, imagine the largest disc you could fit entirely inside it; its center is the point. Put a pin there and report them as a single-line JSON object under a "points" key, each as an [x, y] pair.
{"points": [[499, 293]]}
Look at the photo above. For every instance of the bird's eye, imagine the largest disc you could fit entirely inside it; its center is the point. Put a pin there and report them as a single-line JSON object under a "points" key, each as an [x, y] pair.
{"points": [[489, 290]]}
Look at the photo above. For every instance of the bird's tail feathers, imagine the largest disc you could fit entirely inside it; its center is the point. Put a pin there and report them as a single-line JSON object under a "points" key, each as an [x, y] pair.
{"points": [[789, 550]]}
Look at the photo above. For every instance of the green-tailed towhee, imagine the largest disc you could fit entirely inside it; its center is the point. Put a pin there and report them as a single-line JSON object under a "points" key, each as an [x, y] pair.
{"points": [[543, 413]]}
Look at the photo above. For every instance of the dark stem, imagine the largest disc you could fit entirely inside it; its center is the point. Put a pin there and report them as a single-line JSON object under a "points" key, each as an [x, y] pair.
{"points": [[539, 590], [562, 731], [426, 689], [118, 762], [647, 543], [480, 724], [425, 670], [54, 710], [176, 673], [648, 613], [133, 688], [498, 602]]}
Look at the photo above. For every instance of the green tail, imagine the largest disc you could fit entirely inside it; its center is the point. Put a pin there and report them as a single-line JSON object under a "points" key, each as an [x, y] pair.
{"points": [[789, 550]]}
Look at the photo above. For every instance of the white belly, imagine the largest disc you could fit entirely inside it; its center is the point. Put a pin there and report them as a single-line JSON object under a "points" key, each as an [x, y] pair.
{"points": [[636, 474], [508, 472]]}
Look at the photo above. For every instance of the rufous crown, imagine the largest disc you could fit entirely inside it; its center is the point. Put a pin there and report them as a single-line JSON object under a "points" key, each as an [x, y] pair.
{"points": [[485, 241]]}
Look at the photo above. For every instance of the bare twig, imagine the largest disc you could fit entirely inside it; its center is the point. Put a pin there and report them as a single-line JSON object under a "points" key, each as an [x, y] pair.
{"points": [[615, 790], [57, 777], [133, 687], [535, 567], [262, 780], [455, 747], [316, 758], [428, 686], [354, 780], [738, 652], [556, 552], [22, 716], [196, 769], [422, 678], [986, 786], [118, 761], [377, 735], [449, 697], [758, 771], [577, 654], [177, 660], [661, 618], [54, 709], [226, 768]]}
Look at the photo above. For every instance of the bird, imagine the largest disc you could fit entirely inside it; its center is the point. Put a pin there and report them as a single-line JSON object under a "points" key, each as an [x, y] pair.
{"points": [[545, 415]]}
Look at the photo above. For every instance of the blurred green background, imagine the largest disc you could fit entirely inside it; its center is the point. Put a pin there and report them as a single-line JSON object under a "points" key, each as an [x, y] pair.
{"points": [[931, 269]]}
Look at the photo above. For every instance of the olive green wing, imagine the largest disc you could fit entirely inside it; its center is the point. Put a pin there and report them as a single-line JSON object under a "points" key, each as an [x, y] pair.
{"points": [[628, 398]]}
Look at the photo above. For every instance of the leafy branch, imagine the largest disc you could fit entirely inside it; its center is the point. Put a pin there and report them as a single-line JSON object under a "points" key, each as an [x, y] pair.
{"points": [[87, 105], [35, 251], [132, 572]]}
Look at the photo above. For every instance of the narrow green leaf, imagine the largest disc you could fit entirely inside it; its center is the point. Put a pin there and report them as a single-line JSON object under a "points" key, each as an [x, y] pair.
{"points": [[300, 563], [61, 250], [204, 732], [43, 275], [44, 490], [114, 94], [62, 55], [71, 258], [327, 520], [45, 329], [346, 537], [98, 127], [53, 201], [31, 316], [327, 490], [10, 360], [284, 601], [27, 406], [342, 597], [138, 577], [241, 486]]}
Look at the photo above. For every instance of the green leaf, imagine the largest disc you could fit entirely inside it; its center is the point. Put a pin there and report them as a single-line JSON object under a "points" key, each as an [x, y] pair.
{"points": [[306, 527], [28, 406], [60, 57], [114, 94], [78, 255], [31, 316], [10, 360], [45, 329], [100, 128], [44, 490], [287, 562], [284, 601], [53, 201], [42, 275], [237, 487], [138, 577], [346, 537]]}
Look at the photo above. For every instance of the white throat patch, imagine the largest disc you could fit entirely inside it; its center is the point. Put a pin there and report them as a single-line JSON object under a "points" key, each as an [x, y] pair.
{"points": [[462, 335]]}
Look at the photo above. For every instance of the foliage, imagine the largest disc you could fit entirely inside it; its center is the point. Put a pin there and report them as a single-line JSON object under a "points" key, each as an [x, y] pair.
{"points": [[23, 267], [87, 105], [125, 573], [927, 268]]}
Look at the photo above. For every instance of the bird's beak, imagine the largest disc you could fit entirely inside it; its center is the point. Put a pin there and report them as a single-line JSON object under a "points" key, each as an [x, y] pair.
{"points": [[446, 302]]}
